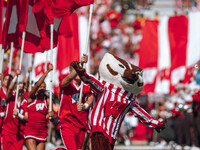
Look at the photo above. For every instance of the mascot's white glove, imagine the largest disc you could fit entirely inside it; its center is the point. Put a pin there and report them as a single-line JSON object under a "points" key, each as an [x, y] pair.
{"points": [[162, 126], [2, 114]]}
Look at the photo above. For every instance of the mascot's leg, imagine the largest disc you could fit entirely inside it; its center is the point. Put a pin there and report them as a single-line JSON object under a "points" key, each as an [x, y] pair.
{"points": [[100, 142]]}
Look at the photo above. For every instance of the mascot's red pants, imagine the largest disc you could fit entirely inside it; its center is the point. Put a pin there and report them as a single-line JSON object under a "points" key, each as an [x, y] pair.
{"points": [[100, 142]]}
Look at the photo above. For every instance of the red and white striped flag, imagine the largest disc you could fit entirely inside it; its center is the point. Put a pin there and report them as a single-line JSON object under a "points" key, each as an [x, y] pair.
{"points": [[169, 49]]}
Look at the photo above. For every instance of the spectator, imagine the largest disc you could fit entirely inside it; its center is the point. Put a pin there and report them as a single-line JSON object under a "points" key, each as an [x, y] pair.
{"points": [[114, 18]]}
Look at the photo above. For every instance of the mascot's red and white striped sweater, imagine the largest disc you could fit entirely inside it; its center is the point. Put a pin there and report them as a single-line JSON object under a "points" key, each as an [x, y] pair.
{"points": [[111, 106], [119, 83]]}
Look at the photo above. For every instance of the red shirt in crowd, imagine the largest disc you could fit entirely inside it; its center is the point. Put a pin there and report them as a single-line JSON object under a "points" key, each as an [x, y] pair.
{"points": [[196, 96], [114, 18]]}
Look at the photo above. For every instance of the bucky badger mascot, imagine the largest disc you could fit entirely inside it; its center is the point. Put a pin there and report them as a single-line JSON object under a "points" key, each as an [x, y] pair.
{"points": [[116, 89]]}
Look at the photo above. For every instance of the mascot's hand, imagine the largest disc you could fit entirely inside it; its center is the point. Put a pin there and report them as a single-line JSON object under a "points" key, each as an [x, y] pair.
{"points": [[77, 66], [162, 126]]}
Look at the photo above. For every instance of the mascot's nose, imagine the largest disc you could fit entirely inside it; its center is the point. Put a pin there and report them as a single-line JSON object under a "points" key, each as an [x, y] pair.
{"points": [[134, 75]]}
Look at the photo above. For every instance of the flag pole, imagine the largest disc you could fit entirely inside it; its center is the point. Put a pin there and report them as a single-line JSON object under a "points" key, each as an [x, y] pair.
{"points": [[51, 82], [51, 73], [1, 61], [11, 55], [87, 47], [1, 25], [20, 67], [46, 62], [30, 75]]}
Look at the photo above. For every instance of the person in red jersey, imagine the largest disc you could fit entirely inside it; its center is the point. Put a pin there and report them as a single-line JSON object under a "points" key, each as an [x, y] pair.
{"points": [[5, 81], [73, 115], [37, 105], [14, 120]]}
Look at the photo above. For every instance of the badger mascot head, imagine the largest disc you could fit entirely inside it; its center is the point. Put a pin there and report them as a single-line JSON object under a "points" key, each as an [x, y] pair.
{"points": [[121, 73]]}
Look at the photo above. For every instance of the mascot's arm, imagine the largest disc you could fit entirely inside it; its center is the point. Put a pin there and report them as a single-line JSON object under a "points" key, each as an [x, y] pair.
{"points": [[146, 119], [95, 84]]}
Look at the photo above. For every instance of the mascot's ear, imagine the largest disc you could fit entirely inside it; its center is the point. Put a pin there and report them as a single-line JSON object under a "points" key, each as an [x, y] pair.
{"points": [[76, 65]]}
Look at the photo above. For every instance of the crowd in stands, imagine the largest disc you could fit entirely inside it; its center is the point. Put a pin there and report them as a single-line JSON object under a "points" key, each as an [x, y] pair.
{"points": [[116, 31]]}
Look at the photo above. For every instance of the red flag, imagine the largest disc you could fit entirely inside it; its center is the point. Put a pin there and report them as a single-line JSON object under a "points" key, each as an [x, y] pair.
{"points": [[13, 29], [6, 36], [178, 34], [70, 44], [43, 7], [1, 20], [60, 8], [39, 43], [148, 48], [15, 22], [23, 8], [65, 27], [68, 47]]}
